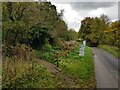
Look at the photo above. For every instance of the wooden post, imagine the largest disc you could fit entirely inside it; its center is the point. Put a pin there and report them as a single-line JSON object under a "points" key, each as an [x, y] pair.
{"points": [[57, 60]]}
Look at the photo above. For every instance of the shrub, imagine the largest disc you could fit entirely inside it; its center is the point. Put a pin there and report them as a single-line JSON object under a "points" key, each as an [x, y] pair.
{"points": [[47, 47], [49, 56], [7, 50], [18, 73], [19, 51], [23, 51]]}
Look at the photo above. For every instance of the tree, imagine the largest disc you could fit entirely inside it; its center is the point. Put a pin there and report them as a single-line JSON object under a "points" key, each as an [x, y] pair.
{"points": [[112, 34], [72, 35], [92, 29], [28, 23], [85, 30], [59, 32]]}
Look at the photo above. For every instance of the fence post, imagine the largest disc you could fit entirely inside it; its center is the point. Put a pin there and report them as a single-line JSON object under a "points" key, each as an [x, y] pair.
{"points": [[57, 60]]}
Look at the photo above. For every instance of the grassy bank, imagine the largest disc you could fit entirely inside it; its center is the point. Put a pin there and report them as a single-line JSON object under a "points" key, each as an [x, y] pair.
{"points": [[21, 73], [81, 69], [112, 49], [24, 74], [28, 74]]}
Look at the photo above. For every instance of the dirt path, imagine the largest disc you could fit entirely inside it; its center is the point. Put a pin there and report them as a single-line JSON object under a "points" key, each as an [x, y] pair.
{"points": [[58, 73], [106, 69], [52, 68]]}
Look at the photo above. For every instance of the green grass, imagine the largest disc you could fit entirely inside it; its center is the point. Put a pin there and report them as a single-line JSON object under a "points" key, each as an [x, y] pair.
{"points": [[48, 54], [45, 55], [80, 68], [112, 49]]}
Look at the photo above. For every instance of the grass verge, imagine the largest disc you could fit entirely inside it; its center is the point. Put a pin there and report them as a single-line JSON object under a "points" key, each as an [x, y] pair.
{"points": [[112, 49], [81, 69]]}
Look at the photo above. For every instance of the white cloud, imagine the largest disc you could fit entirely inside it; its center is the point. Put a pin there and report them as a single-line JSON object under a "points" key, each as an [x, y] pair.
{"points": [[112, 12], [96, 12], [71, 16], [114, 20]]}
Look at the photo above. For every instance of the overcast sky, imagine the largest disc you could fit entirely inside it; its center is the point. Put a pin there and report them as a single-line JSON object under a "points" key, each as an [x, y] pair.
{"points": [[74, 12]]}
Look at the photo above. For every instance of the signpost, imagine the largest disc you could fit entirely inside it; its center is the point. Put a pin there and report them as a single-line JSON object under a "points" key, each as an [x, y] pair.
{"points": [[82, 48], [84, 43]]}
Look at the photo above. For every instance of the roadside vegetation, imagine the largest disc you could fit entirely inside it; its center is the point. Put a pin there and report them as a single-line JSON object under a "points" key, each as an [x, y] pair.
{"points": [[80, 69], [28, 74], [18, 72], [32, 32], [100, 31], [112, 49]]}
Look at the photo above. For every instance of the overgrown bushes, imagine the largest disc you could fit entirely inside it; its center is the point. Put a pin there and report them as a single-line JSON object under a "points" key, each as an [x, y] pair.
{"points": [[18, 73], [19, 51], [21, 70], [16, 65]]}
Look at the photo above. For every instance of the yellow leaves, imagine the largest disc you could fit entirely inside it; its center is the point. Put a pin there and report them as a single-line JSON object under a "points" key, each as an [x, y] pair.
{"points": [[114, 27]]}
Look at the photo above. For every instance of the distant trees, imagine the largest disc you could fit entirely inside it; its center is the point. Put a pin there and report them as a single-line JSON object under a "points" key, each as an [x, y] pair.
{"points": [[72, 35], [85, 29], [95, 31], [112, 34], [59, 33]]}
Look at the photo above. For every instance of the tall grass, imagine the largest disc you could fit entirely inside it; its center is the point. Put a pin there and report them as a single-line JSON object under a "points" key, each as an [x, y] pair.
{"points": [[24, 74], [21, 70]]}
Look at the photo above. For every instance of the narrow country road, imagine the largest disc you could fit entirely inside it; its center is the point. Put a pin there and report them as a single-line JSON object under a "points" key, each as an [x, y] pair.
{"points": [[106, 69]]}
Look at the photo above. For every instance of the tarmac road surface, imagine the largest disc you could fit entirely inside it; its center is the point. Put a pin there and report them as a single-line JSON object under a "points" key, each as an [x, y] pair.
{"points": [[106, 69]]}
